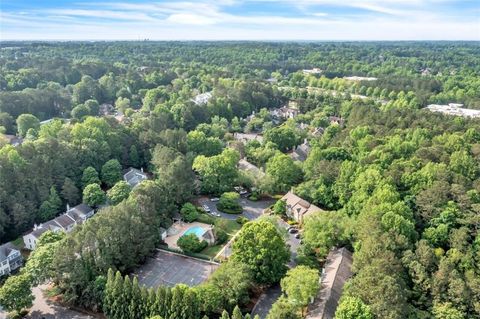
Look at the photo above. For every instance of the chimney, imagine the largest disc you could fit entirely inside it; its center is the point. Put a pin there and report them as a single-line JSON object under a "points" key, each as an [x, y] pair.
{"points": [[305, 141], [35, 226], [68, 207], [141, 169]]}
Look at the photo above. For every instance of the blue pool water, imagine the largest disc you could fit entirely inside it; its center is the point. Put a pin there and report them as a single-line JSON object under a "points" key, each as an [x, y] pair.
{"points": [[197, 230]]}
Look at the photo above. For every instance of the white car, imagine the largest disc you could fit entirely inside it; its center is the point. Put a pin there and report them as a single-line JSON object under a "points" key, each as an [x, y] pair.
{"points": [[215, 199], [217, 214], [206, 208]]}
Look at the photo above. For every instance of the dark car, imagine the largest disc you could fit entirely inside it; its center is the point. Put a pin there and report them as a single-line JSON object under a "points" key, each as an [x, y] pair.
{"points": [[293, 231], [297, 236]]}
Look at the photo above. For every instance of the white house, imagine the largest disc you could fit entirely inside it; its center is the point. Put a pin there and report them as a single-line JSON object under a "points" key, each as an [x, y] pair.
{"points": [[202, 98], [65, 222], [247, 137], [134, 176], [10, 259]]}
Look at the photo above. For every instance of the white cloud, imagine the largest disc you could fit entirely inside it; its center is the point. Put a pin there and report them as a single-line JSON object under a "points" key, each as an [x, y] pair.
{"points": [[211, 20]]}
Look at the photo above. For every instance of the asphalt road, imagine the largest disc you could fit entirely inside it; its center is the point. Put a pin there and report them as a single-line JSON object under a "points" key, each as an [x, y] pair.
{"points": [[272, 294], [251, 210]]}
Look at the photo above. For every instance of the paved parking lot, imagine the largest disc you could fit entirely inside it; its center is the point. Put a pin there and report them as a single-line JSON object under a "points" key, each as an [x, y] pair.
{"points": [[169, 269], [251, 210]]}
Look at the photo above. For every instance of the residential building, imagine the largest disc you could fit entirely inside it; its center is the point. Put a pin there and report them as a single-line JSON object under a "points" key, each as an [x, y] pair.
{"points": [[245, 165], [359, 78], [284, 113], [454, 109], [203, 98], [13, 140], [336, 120], [134, 176], [298, 208], [10, 259], [65, 222], [300, 152], [312, 71], [247, 137], [335, 273]]}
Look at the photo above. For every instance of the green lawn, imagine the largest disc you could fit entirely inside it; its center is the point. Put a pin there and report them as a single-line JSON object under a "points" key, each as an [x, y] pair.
{"points": [[231, 227], [211, 251]]}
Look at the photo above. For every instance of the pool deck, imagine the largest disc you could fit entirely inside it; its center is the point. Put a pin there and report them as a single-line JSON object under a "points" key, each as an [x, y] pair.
{"points": [[180, 228]]}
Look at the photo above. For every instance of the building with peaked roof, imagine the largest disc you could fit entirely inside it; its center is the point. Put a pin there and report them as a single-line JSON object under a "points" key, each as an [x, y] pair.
{"points": [[284, 113], [10, 259], [300, 152], [247, 137], [335, 273], [134, 176], [65, 222], [202, 98], [298, 208], [246, 166]]}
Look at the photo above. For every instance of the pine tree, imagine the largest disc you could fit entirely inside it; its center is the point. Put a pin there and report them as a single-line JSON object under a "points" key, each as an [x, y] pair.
{"points": [[191, 307], [145, 306], [152, 302], [108, 295], [177, 305], [237, 314], [256, 317], [127, 295], [205, 317], [135, 305], [167, 300], [247, 316], [117, 300], [225, 315]]}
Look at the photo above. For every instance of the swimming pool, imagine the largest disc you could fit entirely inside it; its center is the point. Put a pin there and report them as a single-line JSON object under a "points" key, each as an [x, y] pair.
{"points": [[197, 230]]}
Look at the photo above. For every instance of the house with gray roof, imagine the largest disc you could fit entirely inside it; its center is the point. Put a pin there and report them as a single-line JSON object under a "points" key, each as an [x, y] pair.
{"points": [[335, 273], [300, 152], [10, 259], [65, 222], [134, 176]]}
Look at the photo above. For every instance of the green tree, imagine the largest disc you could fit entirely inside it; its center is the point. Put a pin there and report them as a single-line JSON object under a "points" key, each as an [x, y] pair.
{"points": [[111, 172], [190, 243], [189, 212], [284, 172], [93, 195], [237, 314], [301, 285], [225, 315], [447, 311], [260, 246], [90, 176], [51, 206], [118, 192], [283, 136], [218, 173], [70, 192], [26, 122], [280, 207], [353, 308], [16, 293], [282, 309], [323, 230], [229, 204]]}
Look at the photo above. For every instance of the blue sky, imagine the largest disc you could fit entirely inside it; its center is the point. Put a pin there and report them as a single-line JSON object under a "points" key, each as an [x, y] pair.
{"points": [[240, 20]]}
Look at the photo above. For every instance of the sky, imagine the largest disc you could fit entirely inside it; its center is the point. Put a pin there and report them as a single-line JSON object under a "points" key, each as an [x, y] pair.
{"points": [[240, 20]]}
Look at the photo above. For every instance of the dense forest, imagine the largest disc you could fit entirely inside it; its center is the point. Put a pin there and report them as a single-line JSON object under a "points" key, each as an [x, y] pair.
{"points": [[401, 185]]}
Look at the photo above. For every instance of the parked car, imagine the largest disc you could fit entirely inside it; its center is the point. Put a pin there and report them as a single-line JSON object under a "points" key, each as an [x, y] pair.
{"points": [[215, 199], [297, 236], [206, 208], [216, 214], [293, 231]]}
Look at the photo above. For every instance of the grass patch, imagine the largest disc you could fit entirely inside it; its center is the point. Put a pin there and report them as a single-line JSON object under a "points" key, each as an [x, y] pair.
{"points": [[211, 251], [229, 226]]}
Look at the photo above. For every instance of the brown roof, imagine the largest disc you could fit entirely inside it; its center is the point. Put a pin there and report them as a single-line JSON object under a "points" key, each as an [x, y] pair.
{"points": [[336, 271]]}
